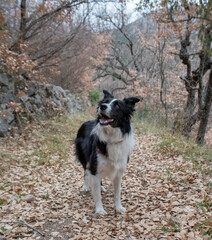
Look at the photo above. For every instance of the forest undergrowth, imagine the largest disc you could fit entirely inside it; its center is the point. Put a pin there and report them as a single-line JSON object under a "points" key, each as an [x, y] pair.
{"points": [[166, 189]]}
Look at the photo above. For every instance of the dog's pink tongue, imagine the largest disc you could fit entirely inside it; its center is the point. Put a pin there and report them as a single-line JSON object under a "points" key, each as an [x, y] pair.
{"points": [[105, 120]]}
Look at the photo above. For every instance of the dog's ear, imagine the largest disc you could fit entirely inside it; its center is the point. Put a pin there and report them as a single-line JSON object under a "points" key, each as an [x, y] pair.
{"points": [[130, 102], [107, 94]]}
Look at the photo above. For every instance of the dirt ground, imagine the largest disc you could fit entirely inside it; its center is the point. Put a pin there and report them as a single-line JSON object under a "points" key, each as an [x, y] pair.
{"points": [[166, 197]]}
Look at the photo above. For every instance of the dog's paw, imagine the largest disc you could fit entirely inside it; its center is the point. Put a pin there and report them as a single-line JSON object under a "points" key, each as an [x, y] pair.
{"points": [[120, 209], [103, 189], [101, 211]]}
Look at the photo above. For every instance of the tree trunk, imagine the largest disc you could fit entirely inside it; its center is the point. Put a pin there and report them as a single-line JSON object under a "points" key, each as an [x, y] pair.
{"points": [[16, 46], [189, 117], [190, 85], [23, 17], [205, 112]]}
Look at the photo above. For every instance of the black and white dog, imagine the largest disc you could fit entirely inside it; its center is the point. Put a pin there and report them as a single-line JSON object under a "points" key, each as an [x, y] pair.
{"points": [[103, 147]]}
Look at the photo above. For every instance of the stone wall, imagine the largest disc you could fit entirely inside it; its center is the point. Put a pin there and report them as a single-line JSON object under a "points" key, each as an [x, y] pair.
{"points": [[32, 101]]}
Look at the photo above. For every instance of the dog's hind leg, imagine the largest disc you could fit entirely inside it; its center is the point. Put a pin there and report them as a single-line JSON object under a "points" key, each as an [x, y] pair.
{"points": [[95, 184], [117, 193], [86, 187]]}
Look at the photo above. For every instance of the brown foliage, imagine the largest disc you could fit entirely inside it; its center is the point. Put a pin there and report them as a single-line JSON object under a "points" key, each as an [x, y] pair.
{"points": [[52, 41]]}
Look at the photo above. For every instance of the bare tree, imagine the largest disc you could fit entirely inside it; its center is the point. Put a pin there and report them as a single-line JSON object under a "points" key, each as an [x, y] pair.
{"points": [[122, 65], [190, 21], [53, 34]]}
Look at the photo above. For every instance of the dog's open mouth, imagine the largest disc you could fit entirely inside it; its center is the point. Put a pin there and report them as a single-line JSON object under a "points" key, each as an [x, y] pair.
{"points": [[104, 119]]}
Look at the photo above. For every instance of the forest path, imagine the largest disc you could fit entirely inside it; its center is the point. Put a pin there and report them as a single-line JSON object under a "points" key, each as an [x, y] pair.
{"points": [[165, 197]]}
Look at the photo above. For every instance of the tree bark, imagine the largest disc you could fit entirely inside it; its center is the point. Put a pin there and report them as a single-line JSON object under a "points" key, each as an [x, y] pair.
{"points": [[205, 112], [190, 85], [23, 16], [191, 80]]}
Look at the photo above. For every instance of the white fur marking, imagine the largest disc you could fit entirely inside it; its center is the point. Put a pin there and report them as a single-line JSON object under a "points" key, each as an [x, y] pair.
{"points": [[109, 108], [94, 181], [119, 147], [86, 187]]}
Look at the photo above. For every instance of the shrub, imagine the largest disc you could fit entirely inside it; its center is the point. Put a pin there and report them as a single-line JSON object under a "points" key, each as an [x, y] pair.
{"points": [[94, 96]]}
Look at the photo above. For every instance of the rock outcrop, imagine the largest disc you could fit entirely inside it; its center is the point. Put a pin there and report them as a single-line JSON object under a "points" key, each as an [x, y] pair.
{"points": [[33, 100]]}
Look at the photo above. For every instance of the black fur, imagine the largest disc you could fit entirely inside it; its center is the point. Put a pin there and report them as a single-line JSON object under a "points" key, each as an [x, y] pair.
{"points": [[87, 143], [122, 111]]}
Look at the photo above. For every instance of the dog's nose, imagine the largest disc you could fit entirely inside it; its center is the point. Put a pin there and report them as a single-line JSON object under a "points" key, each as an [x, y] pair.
{"points": [[103, 107]]}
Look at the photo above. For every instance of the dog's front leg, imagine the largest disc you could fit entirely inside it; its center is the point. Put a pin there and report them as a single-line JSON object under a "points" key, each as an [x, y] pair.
{"points": [[117, 193], [95, 184]]}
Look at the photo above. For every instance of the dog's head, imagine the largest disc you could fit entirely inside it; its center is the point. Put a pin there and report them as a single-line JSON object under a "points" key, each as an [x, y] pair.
{"points": [[114, 112]]}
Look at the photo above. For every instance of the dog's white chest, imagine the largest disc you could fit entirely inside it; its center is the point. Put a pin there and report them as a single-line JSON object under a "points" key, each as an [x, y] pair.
{"points": [[119, 148], [120, 151]]}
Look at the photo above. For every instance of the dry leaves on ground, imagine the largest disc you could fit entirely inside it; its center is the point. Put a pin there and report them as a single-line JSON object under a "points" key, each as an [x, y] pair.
{"points": [[166, 198]]}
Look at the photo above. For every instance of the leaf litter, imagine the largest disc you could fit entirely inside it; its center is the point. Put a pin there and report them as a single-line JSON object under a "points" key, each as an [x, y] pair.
{"points": [[165, 197]]}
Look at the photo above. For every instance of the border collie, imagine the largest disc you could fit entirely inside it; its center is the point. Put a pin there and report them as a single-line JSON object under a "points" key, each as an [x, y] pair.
{"points": [[103, 147]]}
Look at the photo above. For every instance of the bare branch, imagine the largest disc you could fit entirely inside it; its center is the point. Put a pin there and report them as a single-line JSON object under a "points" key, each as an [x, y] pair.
{"points": [[25, 224]]}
